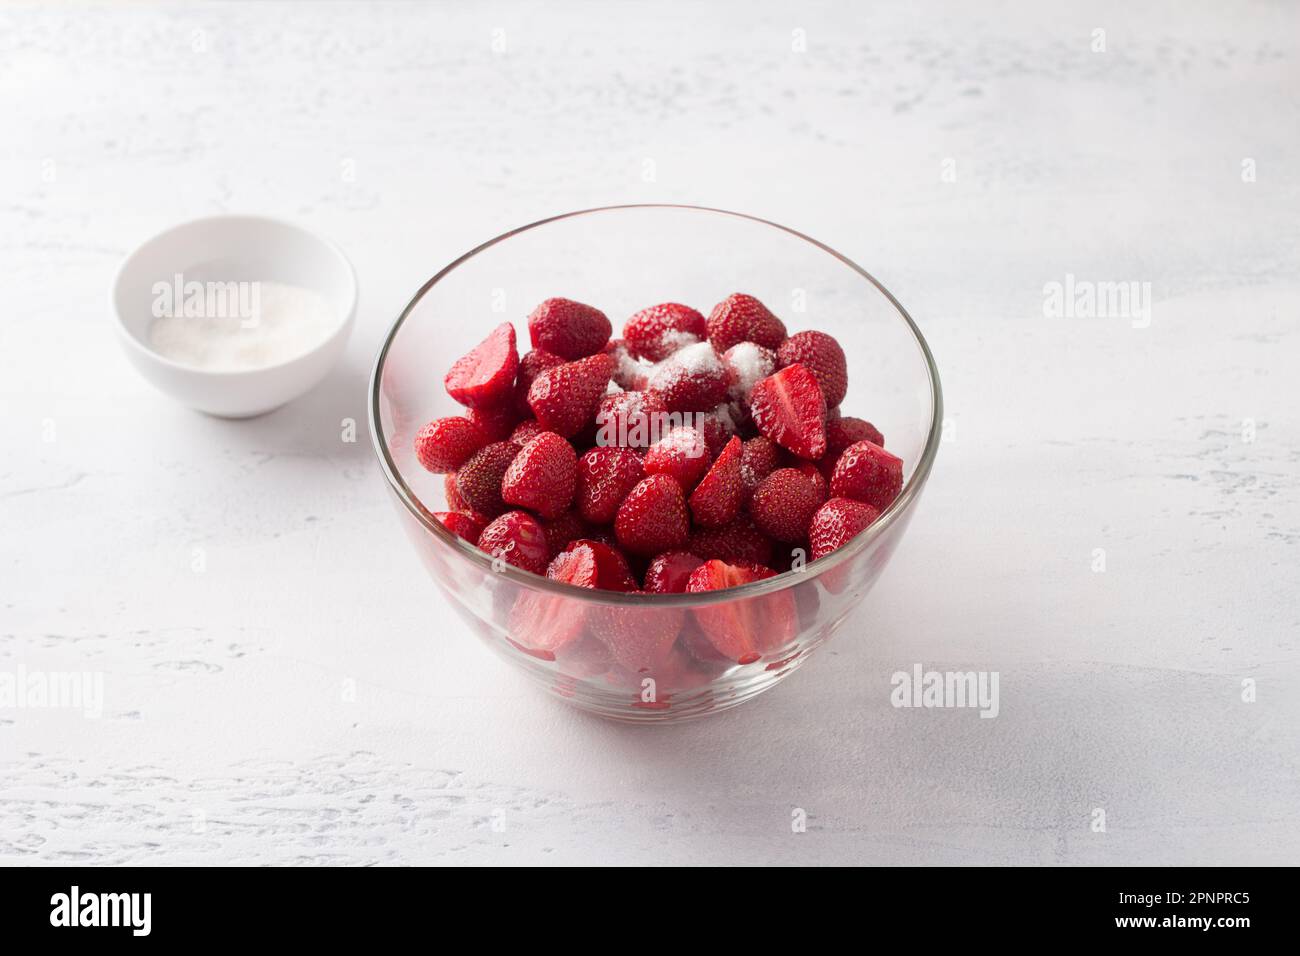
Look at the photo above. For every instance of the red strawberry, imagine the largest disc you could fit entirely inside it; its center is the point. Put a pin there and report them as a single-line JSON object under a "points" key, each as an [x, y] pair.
{"points": [[458, 523], [628, 419], [739, 541], [495, 423], [454, 501], [445, 444], [866, 472], [742, 630], [716, 500], [821, 484], [783, 505], [682, 453], [516, 538], [639, 638], [531, 365], [569, 329], [545, 625], [822, 356], [612, 572], [669, 572], [629, 374], [478, 482], [789, 409], [836, 523], [526, 431], [562, 530], [692, 379], [747, 364], [840, 434], [605, 477], [653, 517], [542, 476], [564, 398], [742, 318], [485, 377], [659, 331], [758, 459]]}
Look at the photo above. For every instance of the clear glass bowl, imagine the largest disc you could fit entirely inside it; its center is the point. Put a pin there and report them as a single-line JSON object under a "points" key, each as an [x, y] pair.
{"points": [[621, 259]]}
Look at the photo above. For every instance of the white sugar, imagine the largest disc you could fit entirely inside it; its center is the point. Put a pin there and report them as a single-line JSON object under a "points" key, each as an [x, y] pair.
{"points": [[748, 364]]}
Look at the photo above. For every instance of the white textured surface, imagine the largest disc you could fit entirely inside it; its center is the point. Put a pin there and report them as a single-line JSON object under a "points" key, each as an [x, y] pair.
{"points": [[225, 736]]}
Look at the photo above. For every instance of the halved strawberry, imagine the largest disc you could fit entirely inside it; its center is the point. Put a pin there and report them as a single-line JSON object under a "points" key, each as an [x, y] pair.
{"points": [[605, 477], [866, 472], [822, 356], [669, 572], [612, 572], [542, 476], [789, 409], [743, 629], [569, 329], [459, 523], [546, 625], [659, 331], [836, 523], [485, 377], [517, 539], [444, 444], [653, 517], [784, 503], [682, 453], [742, 318], [716, 500], [564, 398], [478, 481]]}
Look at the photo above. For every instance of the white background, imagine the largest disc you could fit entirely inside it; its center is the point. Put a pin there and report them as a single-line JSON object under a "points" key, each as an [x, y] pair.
{"points": [[225, 736]]}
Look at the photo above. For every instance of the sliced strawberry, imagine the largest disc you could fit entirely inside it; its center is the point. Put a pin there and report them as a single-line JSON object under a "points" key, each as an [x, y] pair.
{"points": [[715, 502], [605, 477], [545, 625], [682, 453], [569, 329], [742, 318], [612, 571], [478, 482], [822, 356], [758, 459], [466, 526], [866, 472], [789, 409], [740, 541], [743, 630], [485, 377], [669, 572], [836, 523], [784, 503], [517, 539], [747, 364], [659, 331], [692, 379], [543, 476], [445, 444], [564, 398], [653, 517], [638, 638]]}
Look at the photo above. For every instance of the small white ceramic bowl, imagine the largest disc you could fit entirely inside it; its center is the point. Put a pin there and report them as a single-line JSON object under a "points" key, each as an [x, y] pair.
{"points": [[233, 249]]}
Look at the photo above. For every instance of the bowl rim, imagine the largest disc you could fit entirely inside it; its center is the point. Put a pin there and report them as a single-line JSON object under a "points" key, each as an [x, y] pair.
{"points": [[137, 347], [911, 490]]}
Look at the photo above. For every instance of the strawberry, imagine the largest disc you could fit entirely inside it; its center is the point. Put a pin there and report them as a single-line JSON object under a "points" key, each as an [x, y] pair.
{"points": [[836, 523], [866, 472], [445, 444], [478, 482], [605, 476], [716, 500], [464, 525], [821, 484], [612, 572], [682, 453], [669, 572], [821, 355], [563, 529], [659, 331], [531, 365], [517, 539], [544, 625], [569, 329], [629, 374], [739, 541], [526, 431], [495, 423], [840, 434], [653, 517], [454, 501], [789, 409], [784, 503], [542, 476], [638, 638], [742, 318], [628, 419], [564, 398], [747, 364], [742, 630], [758, 458], [485, 377], [692, 379]]}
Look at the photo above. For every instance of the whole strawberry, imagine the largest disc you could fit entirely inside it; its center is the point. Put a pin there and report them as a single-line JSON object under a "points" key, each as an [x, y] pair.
{"points": [[692, 379], [478, 482], [740, 541], [445, 444], [758, 458], [747, 364], [485, 377], [866, 472], [742, 630], [653, 517], [466, 526], [516, 538], [569, 329], [742, 318], [605, 477], [542, 476], [836, 523], [683, 454], [659, 331], [565, 398], [784, 503], [531, 365], [840, 434], [822, 356]]}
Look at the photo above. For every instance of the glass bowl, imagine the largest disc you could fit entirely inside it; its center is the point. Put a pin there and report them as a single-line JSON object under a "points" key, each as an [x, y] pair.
{"points": [[621, 259]]}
